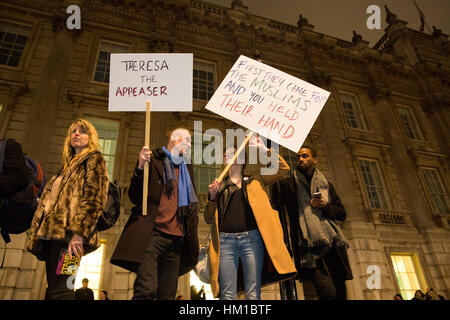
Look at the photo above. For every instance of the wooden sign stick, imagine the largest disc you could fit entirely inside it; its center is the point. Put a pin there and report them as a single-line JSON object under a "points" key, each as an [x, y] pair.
{"points": [[238, 151], [146, 163]]}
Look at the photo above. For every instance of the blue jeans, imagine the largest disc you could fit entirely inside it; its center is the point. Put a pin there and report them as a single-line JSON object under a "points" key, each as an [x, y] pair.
{"points": [[249, 248]]}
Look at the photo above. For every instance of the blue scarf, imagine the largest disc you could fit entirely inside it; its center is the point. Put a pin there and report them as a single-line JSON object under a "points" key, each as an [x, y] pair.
{"points": [[186, 193]]}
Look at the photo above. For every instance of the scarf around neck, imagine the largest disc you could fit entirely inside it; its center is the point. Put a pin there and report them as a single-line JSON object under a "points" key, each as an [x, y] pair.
{"points": [[320, 234], [186, 192]]}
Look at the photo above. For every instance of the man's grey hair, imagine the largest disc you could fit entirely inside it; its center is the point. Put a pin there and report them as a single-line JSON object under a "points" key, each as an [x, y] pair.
{"points": [[179, 132]]}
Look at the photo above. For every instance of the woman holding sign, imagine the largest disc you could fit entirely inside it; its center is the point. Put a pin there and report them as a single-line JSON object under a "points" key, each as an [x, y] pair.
{"points": [[63, 228], [245, 228]]}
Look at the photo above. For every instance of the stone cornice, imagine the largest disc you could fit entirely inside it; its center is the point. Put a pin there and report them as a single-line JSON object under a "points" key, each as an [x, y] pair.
{"points": [[13, 88], [417, 154], [208, 25], [355, 143]]}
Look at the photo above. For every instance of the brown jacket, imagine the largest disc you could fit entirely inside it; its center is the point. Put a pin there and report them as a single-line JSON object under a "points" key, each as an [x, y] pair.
{"points": [[78, 204], [137, 232], [278, 263]]}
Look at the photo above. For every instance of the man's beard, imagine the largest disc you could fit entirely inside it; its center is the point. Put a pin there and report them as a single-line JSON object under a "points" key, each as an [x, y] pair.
{"points": [[303, 169]]}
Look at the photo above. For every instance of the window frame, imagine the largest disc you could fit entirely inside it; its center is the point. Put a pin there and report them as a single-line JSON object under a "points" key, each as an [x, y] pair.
{"points": [[366, 196], [424, 276], [94, 67], [89, 117], [415, 123], [103, 243], [429, 195], [214, 64], [359, 109], [28, 43], [218, 168]]}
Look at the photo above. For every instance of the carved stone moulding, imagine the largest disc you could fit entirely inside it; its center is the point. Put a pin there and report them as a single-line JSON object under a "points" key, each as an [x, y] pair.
{"points": [[389, 217], [365, 147], [435, 103], [428, 158]]}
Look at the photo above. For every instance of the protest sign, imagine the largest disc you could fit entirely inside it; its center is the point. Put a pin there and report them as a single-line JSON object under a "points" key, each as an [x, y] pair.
{"points": [[268, 101], [163, 78]]}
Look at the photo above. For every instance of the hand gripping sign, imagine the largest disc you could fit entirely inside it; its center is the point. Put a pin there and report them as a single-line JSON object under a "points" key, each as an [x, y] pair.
{"points": [[269, 102], [150, 82]]}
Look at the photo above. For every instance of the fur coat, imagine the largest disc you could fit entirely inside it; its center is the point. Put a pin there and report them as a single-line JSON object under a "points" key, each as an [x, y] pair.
{"points": [[78, 204]]}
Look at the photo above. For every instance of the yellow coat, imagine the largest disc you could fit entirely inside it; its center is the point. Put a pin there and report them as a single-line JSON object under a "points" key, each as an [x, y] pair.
{"points": [[269, 226]]}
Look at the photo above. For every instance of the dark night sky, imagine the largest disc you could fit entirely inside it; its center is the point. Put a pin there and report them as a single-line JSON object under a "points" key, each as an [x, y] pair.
{"points": [[338, 18]]}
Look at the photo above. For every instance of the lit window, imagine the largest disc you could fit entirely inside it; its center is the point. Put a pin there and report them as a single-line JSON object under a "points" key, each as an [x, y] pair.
{"points": [[204, 174], [13, 38], [352, 112], [373, 183], [410, 123], [198, 284], [203, 80], [436, 190], [108, 131], [103, 60], [91, 268], [408, 273]]}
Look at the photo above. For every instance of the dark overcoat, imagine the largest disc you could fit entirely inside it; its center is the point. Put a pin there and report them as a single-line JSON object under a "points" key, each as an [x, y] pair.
{"points": [[138, 230], [284, 195]]}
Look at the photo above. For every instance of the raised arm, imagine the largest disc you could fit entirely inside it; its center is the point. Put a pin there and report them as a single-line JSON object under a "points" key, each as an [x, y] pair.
{"points": [[283, 170]]}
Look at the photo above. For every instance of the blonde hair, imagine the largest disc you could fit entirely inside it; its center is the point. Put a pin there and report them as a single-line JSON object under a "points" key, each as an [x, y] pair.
{"points": [[69, 152]]}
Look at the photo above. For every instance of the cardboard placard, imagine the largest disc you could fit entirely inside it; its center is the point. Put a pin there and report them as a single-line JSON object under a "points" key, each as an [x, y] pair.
{"points": [[163, 78], [269, 102]]}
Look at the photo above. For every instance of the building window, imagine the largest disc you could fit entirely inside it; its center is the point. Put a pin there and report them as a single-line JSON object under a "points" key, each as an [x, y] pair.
{"points": [[373, 183], [352, 112], [410, 123], [205, 173], [436, 190], [408, 273], [103, 60], [203, 80], [13, 38], [108, 132], [91, 268]]}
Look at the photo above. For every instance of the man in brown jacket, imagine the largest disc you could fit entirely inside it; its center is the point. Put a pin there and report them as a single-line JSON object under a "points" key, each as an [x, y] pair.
{"points": [[162, 245]]}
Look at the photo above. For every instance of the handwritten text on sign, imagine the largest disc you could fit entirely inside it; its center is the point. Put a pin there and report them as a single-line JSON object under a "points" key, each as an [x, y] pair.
{"points": [[163, 78], [268, 101]]}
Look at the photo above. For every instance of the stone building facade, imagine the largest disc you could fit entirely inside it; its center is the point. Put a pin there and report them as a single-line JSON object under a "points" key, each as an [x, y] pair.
{"points": [[381, 137]]}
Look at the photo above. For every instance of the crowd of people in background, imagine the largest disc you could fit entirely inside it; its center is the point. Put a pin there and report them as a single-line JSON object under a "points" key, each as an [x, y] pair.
{"points": [[431, 294]]}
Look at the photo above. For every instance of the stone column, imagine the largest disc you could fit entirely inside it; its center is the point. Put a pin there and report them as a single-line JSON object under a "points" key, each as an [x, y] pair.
{"points": [[435, 109], [49, 93], [403, 165], [336, 151]]}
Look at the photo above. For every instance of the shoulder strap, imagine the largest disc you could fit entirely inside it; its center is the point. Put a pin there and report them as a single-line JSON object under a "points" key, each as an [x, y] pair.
{"points": [[2, 154]]}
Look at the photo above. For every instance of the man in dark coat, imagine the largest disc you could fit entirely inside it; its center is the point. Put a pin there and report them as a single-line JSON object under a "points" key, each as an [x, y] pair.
{"points": [[14, 177], [318, 246], [84, 293], [15, 171], [162, 245]]}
